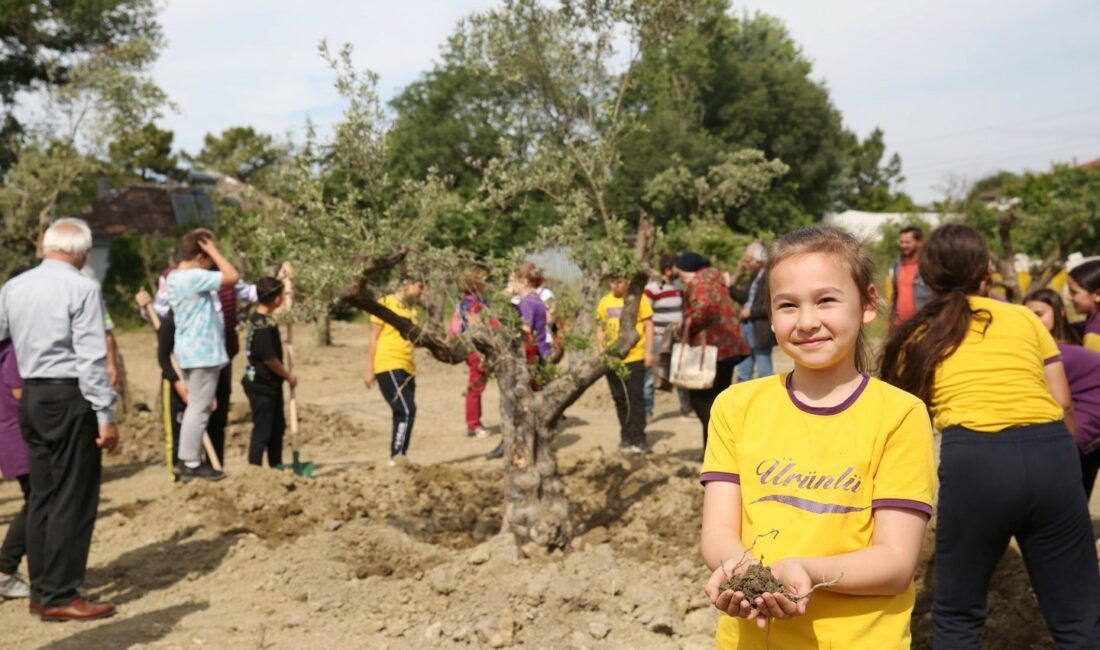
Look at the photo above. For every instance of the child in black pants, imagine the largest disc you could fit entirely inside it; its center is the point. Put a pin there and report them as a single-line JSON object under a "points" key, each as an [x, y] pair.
{"points": [[264, 376], [173, 391]]}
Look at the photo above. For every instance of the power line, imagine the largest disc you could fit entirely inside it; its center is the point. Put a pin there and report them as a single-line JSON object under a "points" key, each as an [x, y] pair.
{"points": [[988, 128]]}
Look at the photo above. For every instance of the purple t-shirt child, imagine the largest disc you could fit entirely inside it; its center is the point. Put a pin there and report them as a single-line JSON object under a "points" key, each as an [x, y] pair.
{"points": [[533, 312], [1083, 372], [13, 449]]}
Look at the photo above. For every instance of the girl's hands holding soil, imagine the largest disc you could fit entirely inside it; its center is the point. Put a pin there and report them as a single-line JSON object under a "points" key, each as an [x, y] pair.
{"points": [[770, 599], [727, 600], [793, 575]]}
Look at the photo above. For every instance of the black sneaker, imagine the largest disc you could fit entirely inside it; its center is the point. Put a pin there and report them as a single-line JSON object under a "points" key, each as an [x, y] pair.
{"points": [[204, 471], [496, 453]]}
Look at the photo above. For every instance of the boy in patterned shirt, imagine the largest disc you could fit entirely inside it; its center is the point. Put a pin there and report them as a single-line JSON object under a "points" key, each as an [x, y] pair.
{"points": [[200, 342]]}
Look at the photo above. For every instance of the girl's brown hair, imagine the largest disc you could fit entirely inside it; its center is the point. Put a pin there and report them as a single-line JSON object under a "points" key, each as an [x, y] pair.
{"points": [[472, 281], [530, 274], [1087, 275], [1062, 331], [846, 249], [954, 264]]}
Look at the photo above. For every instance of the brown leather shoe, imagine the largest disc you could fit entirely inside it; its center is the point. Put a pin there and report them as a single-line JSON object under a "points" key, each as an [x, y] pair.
{"points": [[35, 608], [78, 609]]}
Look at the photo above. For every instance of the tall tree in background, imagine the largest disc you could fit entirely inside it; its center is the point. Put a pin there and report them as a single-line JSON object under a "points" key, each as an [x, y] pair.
{"points": [[722, 83], [144, 153], [94, 98], [42, 40], [870, 184], [240, 152], [450, 122]]}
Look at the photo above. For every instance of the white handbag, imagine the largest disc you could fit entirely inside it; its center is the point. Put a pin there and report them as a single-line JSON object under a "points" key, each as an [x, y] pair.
{"points": [[693, 366]]}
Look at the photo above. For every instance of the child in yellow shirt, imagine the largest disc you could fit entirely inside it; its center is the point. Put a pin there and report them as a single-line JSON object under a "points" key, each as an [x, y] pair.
{"points": [[390, 364], [627, 391], [995, 382], [825, 471]]}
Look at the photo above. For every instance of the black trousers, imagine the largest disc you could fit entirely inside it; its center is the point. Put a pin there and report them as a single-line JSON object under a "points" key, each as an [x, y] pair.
{"points": [[1090, 465], [60, 429], [701, 400], [220, 416], [1022, 482], [629, 395], [268, 426], [15, 541], [399, 389]]}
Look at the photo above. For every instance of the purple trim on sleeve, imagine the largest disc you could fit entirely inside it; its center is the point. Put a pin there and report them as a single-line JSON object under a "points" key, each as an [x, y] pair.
{"points": [[902, 503], [707, 477], [1055, 359], [828, 410]]}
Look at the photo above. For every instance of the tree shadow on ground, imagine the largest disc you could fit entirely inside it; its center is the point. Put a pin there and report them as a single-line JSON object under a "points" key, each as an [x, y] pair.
{"points": [[159, 565], [624, 484], [657, 435], [119, 472], [563, 440], [127, 632]]}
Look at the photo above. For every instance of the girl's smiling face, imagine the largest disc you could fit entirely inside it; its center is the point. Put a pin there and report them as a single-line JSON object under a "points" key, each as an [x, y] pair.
{"points": [[817, 310], [1084, 301]]}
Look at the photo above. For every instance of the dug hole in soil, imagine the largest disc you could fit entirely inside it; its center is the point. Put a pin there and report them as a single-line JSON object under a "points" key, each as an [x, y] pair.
{"points": [[368, 556]]}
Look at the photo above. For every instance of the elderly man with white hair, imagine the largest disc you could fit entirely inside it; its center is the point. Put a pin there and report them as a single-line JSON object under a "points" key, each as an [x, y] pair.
{"points": [[54, 317], [755, 321]]}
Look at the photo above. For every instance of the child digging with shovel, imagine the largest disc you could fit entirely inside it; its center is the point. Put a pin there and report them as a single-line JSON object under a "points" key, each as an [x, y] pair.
{"points": [[265, 374]]}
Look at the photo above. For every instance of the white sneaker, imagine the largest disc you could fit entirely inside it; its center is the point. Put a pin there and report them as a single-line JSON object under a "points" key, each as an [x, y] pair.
{"points": [[391, 463], [14, 586]]}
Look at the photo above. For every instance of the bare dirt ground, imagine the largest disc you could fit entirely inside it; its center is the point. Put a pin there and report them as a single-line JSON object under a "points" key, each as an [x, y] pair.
{"points": [[368, 556]]}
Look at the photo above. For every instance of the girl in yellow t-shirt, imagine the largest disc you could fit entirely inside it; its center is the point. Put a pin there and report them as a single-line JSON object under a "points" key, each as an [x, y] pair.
{"points": [[994, 380], [390, 364], [825, 471]]}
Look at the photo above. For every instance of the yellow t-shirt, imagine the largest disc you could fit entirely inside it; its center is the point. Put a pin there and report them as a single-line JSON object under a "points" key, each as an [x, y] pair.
{"points": [[608, 311], [1091, 341], [995, 379], [394, 351], [816, 475]]}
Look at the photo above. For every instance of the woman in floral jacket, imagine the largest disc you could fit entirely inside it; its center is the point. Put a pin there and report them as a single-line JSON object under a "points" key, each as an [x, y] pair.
{"points": [[709, 311]]}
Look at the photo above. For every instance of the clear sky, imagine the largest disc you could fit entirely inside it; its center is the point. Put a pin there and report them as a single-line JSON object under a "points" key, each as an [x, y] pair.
{"points": [[961, 89]]}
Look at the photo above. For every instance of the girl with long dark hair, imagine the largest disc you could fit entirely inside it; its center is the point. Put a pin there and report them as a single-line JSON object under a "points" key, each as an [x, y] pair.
{"points": [[994, 381]]}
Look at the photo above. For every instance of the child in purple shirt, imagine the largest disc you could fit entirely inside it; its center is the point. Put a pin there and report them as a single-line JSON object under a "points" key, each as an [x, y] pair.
{"points": [[14, 463], [1083, 374], [531, 308]]}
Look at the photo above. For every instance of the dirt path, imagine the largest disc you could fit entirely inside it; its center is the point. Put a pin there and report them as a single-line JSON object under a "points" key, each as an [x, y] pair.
{"points": [[367, 556]]}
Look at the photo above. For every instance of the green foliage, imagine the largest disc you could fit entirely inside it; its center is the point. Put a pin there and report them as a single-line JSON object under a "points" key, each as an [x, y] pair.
{"points": [[709, 237], [240, 152], [1058, 212], [718, 83], [868, 183], [105, 93], [144, 152], [44, 43], [335, 205]]}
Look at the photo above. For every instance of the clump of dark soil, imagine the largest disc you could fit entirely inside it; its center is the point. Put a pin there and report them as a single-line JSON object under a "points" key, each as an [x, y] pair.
{"points": [[756, 581]]}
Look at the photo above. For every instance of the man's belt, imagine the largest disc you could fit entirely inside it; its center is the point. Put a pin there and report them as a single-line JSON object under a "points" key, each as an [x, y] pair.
{"points": [[51, 381]]}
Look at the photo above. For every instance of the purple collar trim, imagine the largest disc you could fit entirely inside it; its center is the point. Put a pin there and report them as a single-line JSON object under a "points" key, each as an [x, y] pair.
{"points": [[828, 410]]}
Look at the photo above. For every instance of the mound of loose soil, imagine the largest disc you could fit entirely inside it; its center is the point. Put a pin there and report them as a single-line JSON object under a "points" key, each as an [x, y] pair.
{"points": [[368, 556]]}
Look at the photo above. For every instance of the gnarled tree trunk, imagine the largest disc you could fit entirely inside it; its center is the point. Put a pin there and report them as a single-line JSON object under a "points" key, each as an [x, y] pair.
{"points": [[537, 510]]}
